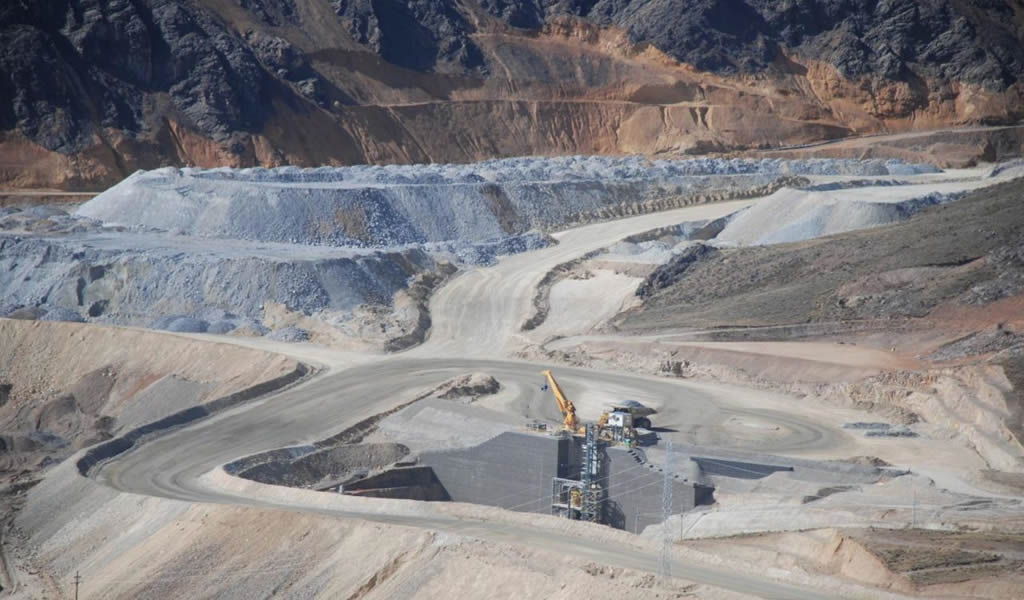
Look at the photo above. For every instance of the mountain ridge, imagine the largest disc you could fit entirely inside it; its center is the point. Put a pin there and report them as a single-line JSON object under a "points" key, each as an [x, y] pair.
{"points": [[100, 89]]}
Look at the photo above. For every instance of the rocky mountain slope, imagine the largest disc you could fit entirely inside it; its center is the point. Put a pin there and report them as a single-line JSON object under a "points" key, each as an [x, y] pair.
{"points": [[95, 90], [958, 264]]}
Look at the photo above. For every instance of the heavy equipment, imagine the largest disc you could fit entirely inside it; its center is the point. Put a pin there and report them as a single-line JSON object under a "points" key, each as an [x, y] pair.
{"points": [[639, 414], [618, 424], [584, 498], [567, 408]]}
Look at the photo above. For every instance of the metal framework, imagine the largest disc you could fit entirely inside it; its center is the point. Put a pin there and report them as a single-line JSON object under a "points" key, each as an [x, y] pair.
{"points": [[593, 492], [582, 499], [566, 497]]}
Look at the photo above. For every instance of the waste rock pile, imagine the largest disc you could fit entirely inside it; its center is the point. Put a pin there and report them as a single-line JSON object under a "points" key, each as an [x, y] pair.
{"points": [[797, 215], [380, 206], [172, 282], [209, 250]]}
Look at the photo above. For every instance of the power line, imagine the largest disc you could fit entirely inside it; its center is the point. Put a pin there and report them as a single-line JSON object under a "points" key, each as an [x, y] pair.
{"points": [[643, 466]]}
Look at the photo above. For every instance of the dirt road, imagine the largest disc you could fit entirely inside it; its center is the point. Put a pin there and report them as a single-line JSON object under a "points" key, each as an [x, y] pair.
{"points": [[479, 313], [476, 317], [173, 465]]}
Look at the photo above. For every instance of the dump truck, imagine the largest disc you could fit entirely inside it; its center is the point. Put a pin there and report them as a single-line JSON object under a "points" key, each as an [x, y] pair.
{"points": [[617, 424]]}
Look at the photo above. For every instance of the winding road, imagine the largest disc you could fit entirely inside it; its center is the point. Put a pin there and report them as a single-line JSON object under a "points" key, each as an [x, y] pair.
{"points": [[478, 314], [476, 318]]}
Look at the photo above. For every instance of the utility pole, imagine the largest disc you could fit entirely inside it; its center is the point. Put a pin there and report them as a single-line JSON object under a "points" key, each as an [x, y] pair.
{"points": [[78, 580], [913, 511], [664, 566]]}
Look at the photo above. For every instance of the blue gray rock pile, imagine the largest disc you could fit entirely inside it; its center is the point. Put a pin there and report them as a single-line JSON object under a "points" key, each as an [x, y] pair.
{"points": [[206, 251]]}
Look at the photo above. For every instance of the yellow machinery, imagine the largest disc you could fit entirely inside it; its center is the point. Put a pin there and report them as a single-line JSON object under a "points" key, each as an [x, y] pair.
{"points": [[639, 415], [565, 405], [615, 425]]}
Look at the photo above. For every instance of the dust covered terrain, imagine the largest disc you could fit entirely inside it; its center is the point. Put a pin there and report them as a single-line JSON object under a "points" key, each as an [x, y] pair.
{"points": [[866, 448], [69, 386], [237, 355], [344, 256]]}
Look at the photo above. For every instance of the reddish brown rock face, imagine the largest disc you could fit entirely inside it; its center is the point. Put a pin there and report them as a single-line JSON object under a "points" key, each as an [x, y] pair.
{"points": [[108, 88]]}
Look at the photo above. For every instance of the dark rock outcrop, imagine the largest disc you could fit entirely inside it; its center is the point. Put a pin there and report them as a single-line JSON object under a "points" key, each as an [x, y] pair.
{"points": [[669, 273], [73, 67], [423, 35], [976, 42], [93, 90]]}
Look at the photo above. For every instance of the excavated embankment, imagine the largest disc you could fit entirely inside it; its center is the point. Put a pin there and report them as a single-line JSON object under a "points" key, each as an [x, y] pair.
{"points": [[66, 386], [335, 253], [135, 279]]}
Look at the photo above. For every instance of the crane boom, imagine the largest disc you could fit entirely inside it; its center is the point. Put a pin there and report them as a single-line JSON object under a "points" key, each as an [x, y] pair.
{"points": [[565, 405]]}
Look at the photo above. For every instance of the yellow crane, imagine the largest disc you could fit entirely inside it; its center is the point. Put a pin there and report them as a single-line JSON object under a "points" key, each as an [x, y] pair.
{"points": [[618, 424], [564, 404]]}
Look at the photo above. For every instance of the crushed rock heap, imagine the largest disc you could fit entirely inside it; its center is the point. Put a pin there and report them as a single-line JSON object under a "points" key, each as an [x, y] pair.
{"points": [[292, 252], [394, 205]]}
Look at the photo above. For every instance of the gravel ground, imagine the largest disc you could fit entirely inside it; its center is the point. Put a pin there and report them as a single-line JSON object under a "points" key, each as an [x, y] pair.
{"points": [[290, 334]]}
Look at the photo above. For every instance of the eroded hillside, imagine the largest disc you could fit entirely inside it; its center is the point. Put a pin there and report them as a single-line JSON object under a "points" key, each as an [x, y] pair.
{"points": [[65, 386], [951, 263]]}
